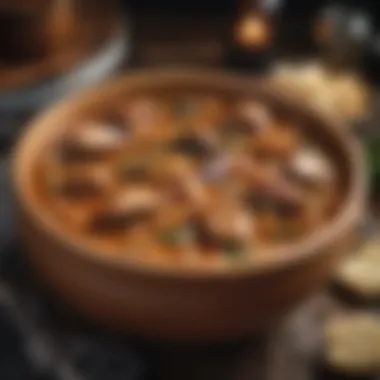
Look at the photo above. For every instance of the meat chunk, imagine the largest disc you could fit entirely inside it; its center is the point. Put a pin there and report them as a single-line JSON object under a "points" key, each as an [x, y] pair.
{"points": [[241, 168], [130, 207], [268, 191], [279, 142], [226, 225], [311, 168], [178, 178]]}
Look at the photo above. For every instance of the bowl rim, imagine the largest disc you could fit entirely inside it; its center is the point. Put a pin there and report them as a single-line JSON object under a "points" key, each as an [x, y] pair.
{"points": [[284, 257]]}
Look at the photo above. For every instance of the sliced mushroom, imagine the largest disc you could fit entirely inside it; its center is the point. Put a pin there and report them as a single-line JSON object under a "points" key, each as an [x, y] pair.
{"points": [[93, 139], [310, 168], [130, 207], [196, 144]]}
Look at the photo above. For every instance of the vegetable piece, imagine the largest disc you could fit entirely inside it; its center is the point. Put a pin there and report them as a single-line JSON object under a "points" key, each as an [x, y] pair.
{"points": [[176, 236], [352, 343], [135, 204]]}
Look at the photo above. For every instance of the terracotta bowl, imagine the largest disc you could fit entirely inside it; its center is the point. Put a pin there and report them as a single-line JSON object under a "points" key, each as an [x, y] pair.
{"points": [[167, 303]]}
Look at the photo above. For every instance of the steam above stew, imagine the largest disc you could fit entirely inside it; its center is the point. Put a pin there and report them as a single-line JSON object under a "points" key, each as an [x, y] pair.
{"points": [[191, 178]]}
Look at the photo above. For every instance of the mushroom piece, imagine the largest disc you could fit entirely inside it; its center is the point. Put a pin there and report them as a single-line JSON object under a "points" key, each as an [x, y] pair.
{"points": [[311, 168], [93, 139], [130, 207], [352, 343], [196, 144]]}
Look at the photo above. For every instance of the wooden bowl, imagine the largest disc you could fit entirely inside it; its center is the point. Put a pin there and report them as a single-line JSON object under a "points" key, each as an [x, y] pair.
{"points": [[168, 303]]}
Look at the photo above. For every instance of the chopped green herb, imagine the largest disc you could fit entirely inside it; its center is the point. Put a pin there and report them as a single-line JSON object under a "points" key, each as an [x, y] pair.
{"points": [[233, 251], [176, 236]]}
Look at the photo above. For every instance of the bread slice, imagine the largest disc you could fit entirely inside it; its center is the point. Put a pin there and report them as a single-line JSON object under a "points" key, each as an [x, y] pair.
{"points": [[352, 343], [360, 274]]}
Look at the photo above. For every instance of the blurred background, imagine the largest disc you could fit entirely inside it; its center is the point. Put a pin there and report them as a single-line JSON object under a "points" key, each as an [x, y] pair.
{"points": [[50, 49]]}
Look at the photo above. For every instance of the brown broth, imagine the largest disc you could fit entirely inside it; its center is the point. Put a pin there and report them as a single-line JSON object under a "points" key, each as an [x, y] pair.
{"points": [[189, 180]]}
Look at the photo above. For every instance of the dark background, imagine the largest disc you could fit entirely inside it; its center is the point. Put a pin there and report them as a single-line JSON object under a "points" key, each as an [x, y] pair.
{"points": [[295, 7]]}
